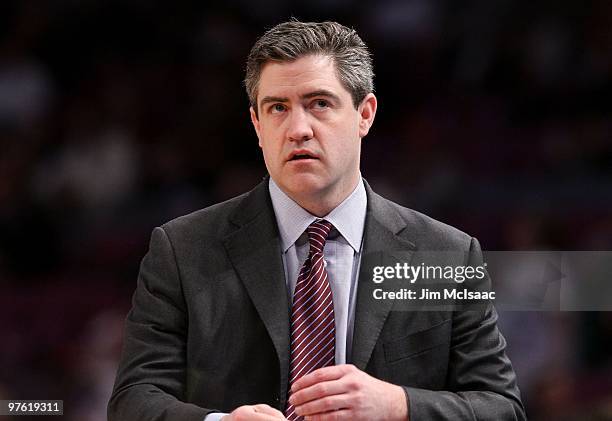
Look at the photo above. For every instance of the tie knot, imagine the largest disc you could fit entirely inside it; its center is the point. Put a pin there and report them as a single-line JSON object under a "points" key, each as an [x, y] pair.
{"points": [[317, 235]]}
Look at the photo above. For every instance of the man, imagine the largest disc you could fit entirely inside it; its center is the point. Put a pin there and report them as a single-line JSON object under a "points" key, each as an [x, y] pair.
{"points": [[261, 308]]}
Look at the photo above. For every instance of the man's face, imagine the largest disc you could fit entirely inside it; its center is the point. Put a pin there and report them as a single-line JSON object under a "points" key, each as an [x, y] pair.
{"points": [[309, 130]]}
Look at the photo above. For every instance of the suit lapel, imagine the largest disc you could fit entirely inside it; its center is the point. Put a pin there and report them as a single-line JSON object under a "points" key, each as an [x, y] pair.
{"points": [[383, 246], [255, 251]]}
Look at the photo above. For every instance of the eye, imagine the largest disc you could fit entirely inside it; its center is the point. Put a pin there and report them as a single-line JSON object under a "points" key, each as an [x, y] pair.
{"points": [[277, 108], [320, 104]]}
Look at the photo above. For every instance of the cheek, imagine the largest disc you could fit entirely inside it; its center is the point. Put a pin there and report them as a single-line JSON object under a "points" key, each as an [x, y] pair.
{"points": [[272, 151], [344, 155]]}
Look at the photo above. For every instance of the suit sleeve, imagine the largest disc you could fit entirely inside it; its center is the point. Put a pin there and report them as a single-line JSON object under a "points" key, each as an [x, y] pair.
{"points": [[151, 378], [481, 381]]}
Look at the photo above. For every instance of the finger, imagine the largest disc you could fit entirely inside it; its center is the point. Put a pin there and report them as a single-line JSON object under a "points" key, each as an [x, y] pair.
{"points": [[344, 414], [317, 391], [326, 404], [255, 413], [264, 417], [333, 372], [262, 408], [260, 416]]}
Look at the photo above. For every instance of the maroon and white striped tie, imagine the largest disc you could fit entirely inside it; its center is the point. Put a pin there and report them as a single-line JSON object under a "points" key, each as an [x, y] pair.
{"points": [[313, 328]]}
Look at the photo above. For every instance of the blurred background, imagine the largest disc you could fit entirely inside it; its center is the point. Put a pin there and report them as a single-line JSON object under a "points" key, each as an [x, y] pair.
{"points": [[494, 116]]}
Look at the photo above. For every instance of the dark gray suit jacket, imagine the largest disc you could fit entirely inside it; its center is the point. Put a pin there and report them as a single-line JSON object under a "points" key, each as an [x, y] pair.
{"points": [[209, 327]]}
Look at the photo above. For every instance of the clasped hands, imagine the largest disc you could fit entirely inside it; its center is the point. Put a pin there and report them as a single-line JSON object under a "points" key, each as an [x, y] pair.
{"points": [[341, 392]]}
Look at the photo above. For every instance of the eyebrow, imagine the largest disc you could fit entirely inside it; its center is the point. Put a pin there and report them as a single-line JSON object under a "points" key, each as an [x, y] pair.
{"points": [[322, 92], [319, 92], [268, 99]]}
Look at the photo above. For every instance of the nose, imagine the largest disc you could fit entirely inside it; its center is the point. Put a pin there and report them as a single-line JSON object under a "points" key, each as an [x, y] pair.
{"points": [[299, 128]]}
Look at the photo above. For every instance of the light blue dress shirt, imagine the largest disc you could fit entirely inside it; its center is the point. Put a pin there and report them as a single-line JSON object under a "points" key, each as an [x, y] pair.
{"points": [[342, 256]]}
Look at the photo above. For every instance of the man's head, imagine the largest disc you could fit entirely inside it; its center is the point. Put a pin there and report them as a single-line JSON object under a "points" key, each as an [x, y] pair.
{"points": [[291, 40], [310, 86]]}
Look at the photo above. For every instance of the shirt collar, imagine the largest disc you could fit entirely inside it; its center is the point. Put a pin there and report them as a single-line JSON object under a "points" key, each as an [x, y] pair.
{"points": [[348, 217]]}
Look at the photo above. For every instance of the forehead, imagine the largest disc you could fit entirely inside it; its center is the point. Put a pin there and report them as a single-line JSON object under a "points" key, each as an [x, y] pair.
{"points": [[308, 73]]}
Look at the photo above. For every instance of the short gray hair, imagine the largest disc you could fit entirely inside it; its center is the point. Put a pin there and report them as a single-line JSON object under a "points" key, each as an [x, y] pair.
{"points": [[291, 40]]}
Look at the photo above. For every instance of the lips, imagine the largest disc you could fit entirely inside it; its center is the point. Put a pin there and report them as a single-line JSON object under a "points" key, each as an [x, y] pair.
{"points": [[300, 155]]}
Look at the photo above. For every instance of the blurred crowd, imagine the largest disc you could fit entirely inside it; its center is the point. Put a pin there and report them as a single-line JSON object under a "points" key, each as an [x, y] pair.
{"points": [[495, 116]]}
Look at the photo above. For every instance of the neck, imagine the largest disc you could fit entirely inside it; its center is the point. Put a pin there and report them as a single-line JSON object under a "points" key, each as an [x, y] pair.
{"points": [[318, 208]]}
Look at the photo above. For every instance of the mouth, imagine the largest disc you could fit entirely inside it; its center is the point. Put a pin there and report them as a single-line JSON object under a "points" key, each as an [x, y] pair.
{"points": [[302, 155]]}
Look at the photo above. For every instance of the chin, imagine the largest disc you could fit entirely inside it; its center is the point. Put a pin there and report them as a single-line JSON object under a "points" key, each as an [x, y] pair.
{"points": [[305, 185]]}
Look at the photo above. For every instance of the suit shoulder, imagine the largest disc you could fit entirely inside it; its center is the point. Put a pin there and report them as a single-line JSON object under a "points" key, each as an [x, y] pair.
{"points": [[209, 221], [432, 233]]}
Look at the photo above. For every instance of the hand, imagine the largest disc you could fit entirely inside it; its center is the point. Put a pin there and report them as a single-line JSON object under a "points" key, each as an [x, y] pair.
{"points": [[343, 392], [259, 412]]}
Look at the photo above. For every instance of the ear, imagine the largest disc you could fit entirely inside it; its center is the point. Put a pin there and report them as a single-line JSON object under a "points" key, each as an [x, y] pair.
{"points": [[256, 125], [367, 111]]}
